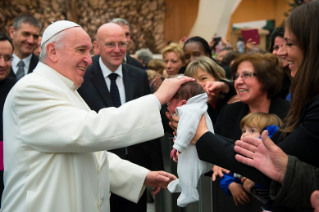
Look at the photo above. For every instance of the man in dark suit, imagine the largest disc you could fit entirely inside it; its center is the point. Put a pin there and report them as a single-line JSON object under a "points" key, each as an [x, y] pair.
{"points": [[6, 83], [24, 32], [131, 83], [126, 28]]}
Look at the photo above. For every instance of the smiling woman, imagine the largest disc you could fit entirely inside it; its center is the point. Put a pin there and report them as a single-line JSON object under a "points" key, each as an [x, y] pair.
{"points": [[257, 80]]}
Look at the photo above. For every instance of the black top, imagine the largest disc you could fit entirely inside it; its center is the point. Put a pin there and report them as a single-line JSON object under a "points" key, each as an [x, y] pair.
{"points": [[5, 87]]}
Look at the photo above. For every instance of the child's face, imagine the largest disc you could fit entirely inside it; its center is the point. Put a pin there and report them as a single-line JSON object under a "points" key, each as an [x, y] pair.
{"points": [[250, 131], [172, 104]]}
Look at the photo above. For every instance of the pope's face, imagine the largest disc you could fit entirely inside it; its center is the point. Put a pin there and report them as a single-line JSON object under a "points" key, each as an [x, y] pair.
{"points": [[74, 58]]}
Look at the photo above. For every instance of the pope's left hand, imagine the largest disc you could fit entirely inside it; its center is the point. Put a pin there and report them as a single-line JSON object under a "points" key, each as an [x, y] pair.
{"points": [[159, 179]]}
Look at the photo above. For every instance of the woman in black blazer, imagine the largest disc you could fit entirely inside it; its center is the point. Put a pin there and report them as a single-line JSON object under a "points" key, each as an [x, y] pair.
{"points": [[300, 135]]}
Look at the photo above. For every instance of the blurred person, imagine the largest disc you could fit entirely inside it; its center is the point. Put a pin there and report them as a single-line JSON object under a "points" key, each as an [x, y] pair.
{"points": [[144, 56], [277, 41], [127, 30], [157, 65], [223, 52], [174, 59], [229, 58], [195, 47], [24, 32], [151, 74]]}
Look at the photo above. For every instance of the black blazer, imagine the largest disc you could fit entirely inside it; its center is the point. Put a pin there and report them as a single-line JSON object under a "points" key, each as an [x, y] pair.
{"points": [[33, 63], [302, 142], [95, 93], [228, 121]]}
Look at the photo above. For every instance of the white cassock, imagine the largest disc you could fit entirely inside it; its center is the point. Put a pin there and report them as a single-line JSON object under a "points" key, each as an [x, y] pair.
{"points": [[50, 140]]}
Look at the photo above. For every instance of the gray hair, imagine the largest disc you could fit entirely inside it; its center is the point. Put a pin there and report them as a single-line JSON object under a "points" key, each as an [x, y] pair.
{"points": [[145, 55], [120, 21], [57, 40], [27, 19]]}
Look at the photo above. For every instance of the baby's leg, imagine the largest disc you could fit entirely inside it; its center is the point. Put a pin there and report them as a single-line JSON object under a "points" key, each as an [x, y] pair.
{"points": [[189, 170]]}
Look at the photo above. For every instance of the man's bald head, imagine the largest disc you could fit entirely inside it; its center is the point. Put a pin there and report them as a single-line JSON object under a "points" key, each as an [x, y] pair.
{"points": [[112, 45], [107, 29]]}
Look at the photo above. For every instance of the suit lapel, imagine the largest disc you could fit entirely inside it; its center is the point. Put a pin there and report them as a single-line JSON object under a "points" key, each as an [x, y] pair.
{"points": [[33, 63], [128, 79], [99, 83]]}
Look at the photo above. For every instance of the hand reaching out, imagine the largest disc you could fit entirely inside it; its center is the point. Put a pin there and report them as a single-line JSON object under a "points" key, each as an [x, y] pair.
{"points": [[217, 170], [158, 179], [264, 155], [238, 193]]}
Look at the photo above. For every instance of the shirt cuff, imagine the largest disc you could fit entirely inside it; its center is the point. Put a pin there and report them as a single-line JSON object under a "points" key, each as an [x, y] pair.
{"points": [[158, 102]]}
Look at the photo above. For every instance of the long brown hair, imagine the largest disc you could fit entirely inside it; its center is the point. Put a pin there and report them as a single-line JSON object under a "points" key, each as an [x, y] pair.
{"points": [[303, 22]]}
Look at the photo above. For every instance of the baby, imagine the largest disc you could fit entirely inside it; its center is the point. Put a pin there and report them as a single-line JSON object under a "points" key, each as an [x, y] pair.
{"points": [[189, 103], [252, 125]]}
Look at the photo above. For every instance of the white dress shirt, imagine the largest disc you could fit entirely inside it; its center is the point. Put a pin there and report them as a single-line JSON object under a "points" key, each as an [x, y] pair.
{"points": [[119, 80], [16, 60]]}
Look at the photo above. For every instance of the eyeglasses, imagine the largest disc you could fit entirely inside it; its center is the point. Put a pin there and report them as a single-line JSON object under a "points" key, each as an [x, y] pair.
{"points": [[112, 45], [244, 75], [6, 58]]}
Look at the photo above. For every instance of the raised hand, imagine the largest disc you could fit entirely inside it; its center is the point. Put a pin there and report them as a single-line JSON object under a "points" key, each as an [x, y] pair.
{"points": [[264, 155]]}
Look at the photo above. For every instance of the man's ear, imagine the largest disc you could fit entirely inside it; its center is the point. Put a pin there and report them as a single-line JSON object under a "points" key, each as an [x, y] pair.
{"points": [[96, 47], [11, 31], [51, 52], [183, 102]]}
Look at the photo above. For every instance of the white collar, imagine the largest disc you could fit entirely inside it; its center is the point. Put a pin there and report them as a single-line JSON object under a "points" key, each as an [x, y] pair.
{"points": [[16, 60], [106, 71]]}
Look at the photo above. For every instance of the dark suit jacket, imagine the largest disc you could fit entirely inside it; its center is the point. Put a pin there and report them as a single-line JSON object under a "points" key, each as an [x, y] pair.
{"points": [[33, 63], [302, 142], [129, 60], [94, 91]]}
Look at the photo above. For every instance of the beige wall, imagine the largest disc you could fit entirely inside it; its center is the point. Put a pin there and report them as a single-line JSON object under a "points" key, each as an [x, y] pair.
{"points": [[180, 15]]}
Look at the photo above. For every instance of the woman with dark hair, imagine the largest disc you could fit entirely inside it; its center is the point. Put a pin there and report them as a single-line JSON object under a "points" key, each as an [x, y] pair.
{"points": [[195, 47], [300, 135], [276, 42]]}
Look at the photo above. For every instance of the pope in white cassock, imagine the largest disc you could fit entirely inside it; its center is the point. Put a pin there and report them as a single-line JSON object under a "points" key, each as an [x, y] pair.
{"points": [[54, 156]]}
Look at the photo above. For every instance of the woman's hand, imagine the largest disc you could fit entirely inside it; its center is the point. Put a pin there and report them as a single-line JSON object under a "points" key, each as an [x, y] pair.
{"points": [[173, 121], [201, 130], [213, 88], [239, 195], [247, 184], [217, 170]]}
